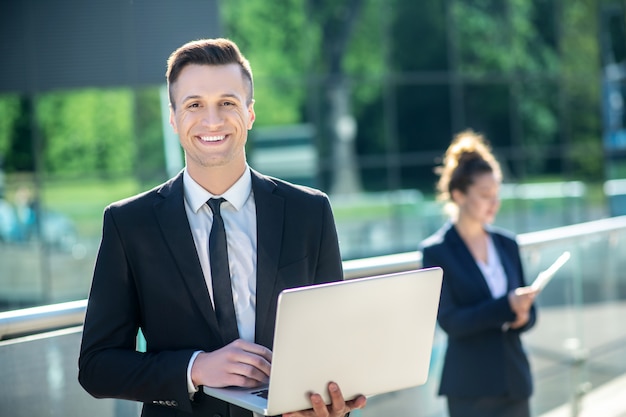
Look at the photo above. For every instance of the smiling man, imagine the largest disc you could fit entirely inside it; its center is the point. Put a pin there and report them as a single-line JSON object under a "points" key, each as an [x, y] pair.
{"points": [[207, 314]]}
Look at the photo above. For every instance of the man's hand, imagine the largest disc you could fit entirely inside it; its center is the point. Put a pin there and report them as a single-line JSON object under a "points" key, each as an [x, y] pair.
{"points": [[337, 408], [240, 363]]}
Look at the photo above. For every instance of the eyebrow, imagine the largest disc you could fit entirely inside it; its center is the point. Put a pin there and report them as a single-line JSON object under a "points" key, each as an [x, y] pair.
{"points": [[192, 97], [197, 97]]}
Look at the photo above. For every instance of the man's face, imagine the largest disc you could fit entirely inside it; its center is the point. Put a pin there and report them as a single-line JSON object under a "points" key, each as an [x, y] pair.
{"points": [[210, 115]]}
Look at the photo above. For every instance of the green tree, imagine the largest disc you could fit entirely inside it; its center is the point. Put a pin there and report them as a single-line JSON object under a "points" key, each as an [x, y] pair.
{"points": [[414, 73], [580, 74], [150, 157], [9, 109], [87, 131], [277, 41], [500, 41], [303, 60], [15, 134], [19, 153]]}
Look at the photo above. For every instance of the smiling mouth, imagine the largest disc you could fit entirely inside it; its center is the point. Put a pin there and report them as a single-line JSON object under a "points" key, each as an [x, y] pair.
{"points": [[212, 138]]}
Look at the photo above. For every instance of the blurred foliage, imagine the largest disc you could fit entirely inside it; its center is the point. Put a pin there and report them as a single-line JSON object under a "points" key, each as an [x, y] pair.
{"points": [[92, 196], [278, 42], [87, 131], [290, 58], [530, 75], [9, 107], [149, 164], [580, 75], [498, 40]]}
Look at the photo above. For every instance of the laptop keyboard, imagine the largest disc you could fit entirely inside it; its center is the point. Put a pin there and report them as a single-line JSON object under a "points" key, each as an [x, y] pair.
{"points": [[261, 393]]}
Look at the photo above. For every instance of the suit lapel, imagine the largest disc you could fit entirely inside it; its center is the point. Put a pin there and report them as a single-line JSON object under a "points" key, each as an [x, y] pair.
{"points": [[172, 218], [473, 271], [269, 214]]}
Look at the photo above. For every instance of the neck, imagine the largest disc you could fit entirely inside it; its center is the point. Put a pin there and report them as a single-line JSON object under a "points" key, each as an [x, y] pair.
{"points": [[469, 229], [217, 179]]}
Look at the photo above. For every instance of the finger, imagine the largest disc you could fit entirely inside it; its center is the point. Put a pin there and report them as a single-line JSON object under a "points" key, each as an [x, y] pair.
{"points": [[525, 290], [253, 348], [319, 408], [338, 404], [249, 372], [358, 402], [257, 362], [235, 380], [256, 358]]}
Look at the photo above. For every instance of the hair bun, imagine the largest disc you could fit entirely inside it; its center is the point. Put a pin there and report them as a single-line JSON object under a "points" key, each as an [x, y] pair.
{"points": [[468, 154]]}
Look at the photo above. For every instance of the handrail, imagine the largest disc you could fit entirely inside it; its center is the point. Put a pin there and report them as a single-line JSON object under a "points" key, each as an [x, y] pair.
{"points": [[40, 319], [379, 265], [56, 316], [572, 231], [32, 320]]}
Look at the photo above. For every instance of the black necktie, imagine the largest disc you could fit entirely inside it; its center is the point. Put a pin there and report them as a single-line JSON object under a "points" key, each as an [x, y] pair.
{"points": [[220, 275]]}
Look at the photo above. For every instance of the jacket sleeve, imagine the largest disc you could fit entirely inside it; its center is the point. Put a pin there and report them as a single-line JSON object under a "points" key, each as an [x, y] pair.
{"points": [[329, 265], [520, 273], [461, 312], [109, 365]]}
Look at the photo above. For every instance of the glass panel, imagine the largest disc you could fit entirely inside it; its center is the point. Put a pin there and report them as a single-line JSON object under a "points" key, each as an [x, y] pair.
{"points": [[65, 156]]}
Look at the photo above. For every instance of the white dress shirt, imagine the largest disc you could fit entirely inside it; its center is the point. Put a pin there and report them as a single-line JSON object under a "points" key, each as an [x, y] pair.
{"points": [[239, 214]]}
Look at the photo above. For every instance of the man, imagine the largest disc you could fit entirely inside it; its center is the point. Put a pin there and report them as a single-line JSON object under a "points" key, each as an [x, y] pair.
{"points": [[154, 272]]}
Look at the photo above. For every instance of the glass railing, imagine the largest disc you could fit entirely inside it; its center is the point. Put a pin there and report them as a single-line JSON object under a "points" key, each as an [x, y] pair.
{"points": [[51, 260], [578, 344]]}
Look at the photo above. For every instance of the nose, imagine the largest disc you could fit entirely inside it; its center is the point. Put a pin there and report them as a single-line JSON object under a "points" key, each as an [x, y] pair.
{"points": [[212, 118]]}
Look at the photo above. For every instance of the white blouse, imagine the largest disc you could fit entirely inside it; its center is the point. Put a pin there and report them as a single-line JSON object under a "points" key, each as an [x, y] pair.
{"points": [[493, 271]]}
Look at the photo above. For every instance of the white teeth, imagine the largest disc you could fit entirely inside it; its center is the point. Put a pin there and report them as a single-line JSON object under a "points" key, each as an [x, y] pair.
{"points": [[212, 138]]}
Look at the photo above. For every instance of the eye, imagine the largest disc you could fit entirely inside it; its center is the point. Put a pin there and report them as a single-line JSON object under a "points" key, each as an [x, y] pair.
{"points": [[193, 106], [228, 103]]}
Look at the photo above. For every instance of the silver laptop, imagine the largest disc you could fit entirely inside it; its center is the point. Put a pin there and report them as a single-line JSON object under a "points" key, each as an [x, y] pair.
{"points": [[370, 335]]}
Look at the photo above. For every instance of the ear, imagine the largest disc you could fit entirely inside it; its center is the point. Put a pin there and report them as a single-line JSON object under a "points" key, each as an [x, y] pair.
{"points": [[251, 114], [173, 119], [457, 196]]}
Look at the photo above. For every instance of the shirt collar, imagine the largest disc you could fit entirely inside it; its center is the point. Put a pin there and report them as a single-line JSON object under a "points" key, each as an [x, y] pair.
{"points": [[237, 194]]}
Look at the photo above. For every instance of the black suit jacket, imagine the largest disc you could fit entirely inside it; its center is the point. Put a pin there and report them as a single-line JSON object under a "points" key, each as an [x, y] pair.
{"points": [[147, 276], [481, 359]]}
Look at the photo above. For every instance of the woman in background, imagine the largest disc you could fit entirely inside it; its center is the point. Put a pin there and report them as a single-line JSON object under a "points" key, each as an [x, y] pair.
{"points": [[485, 303]]}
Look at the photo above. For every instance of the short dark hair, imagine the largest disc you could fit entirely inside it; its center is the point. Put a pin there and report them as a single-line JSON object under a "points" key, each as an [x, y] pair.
{"points": [[218, 51]]}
